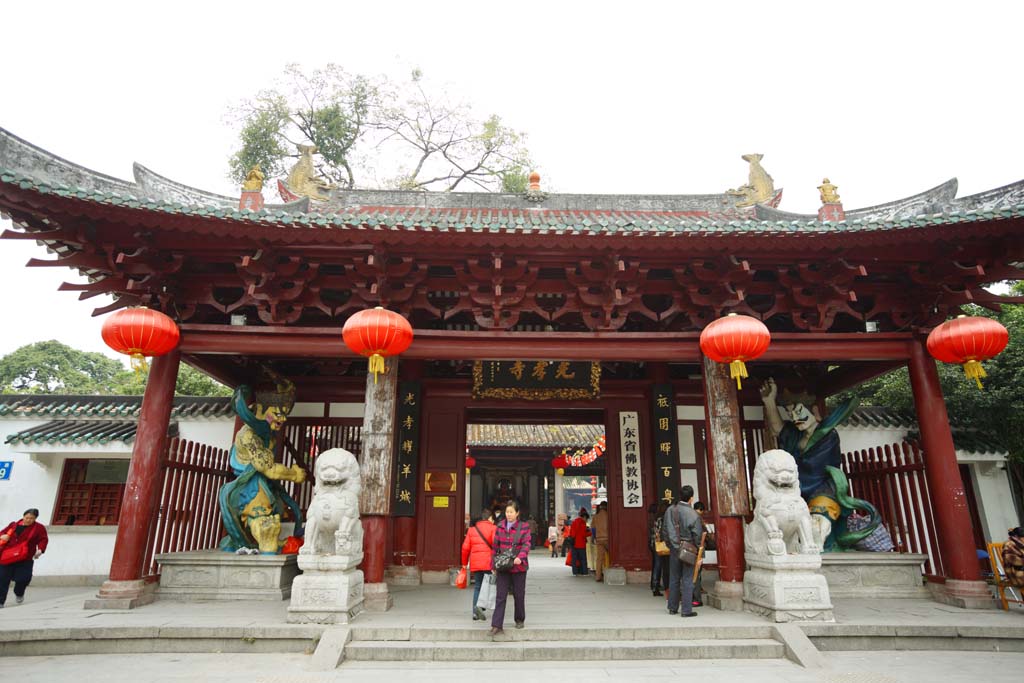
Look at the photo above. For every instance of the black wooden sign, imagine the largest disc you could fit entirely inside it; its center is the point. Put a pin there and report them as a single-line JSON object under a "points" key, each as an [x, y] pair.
{"points": [[407, 447], [537, 380], [666, 443]]}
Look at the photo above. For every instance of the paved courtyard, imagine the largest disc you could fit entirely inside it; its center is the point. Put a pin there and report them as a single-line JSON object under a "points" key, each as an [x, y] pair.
{"points": [[555, 600]]}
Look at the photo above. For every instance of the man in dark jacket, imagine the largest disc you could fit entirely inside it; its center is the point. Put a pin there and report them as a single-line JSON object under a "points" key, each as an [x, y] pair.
{"points": [[681, 524]]}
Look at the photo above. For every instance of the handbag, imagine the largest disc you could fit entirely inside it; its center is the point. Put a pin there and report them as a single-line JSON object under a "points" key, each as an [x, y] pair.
{"points": [[505, 560], [14, 553], [488, 592], [661, 548], [462, 580]]}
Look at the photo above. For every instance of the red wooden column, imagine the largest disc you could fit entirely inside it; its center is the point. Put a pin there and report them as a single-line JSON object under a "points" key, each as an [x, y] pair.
{"points": [[125, 588], [963, 587], [725, 462], [376, 465]]}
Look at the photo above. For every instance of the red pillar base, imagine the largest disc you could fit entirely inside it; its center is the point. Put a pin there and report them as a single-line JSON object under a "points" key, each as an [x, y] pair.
{"points": [[728, 591], [403, 570], [964, 594], [375, 592], [122, 595]]}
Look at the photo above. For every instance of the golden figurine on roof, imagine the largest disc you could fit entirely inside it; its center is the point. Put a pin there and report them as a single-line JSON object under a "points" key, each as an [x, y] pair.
{"points": [[302, 179], [253, 180], [760, 187], [828, 192]]}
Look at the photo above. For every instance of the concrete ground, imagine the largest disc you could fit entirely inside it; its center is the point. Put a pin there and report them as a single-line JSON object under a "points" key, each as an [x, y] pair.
{"points": [[554, 599]]}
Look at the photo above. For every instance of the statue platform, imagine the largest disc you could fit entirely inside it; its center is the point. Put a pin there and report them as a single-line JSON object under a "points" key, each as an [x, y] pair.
{"points": [[217, 575], [786, 588], [874, 575]]}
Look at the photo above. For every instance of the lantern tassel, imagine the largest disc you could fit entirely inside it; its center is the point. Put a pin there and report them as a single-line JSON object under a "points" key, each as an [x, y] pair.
{"points": [[377, 365], [138, 363], [974, 370], [738, 372]]}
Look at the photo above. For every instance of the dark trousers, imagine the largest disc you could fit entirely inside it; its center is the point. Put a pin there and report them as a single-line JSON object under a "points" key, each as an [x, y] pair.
{"points": [[680, 584], [517, 581], [659, 572], [20, 573], [566, 547], [579, 561], [478, 579], [554, 548]]}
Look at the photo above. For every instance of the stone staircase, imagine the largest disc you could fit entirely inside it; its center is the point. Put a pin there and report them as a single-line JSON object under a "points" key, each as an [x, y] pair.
{"points": [[564, 644]]}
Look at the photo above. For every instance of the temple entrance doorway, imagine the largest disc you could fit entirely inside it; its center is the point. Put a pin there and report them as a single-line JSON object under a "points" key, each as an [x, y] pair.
{"points": [[513, 454]]}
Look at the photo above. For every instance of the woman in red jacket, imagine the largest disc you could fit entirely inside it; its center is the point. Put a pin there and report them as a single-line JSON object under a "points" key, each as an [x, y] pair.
{"points": [[21, 543], [476, 552], [512, 534]]}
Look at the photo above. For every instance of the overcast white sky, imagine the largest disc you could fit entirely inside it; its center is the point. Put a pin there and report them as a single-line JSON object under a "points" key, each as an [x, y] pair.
{"points": [[885, 98]]}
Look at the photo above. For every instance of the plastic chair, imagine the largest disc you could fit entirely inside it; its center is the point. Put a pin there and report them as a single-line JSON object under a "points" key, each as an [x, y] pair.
{"points": [[995, 559]]}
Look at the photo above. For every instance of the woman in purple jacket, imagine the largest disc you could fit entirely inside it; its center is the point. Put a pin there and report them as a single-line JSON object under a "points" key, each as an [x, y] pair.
{"points": [[511, 533]]}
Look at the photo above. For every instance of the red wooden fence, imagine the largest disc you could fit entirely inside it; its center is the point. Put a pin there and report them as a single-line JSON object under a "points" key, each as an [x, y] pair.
{"points": [[189, 515], [892, 479], [307, 437]]}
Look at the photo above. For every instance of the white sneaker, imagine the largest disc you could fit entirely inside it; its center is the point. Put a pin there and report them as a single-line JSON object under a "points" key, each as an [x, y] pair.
{"points": [[19, 599]]}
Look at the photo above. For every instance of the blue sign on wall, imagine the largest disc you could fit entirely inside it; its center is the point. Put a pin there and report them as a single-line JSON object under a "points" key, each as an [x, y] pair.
{"points": [[5, 470]]}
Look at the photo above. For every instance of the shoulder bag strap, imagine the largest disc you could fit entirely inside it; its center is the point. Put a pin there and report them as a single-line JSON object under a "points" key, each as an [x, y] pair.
{"points": [[677, 521], [484, 538]]}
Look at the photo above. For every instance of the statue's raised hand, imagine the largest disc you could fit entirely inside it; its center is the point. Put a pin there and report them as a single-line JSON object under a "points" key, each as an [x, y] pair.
{"points": [[769, 390]]}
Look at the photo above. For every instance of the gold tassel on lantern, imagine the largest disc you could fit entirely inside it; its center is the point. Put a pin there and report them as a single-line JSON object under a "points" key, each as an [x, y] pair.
{"points": [[975, 371], [738, 372], [377, 365], [139, 364]]}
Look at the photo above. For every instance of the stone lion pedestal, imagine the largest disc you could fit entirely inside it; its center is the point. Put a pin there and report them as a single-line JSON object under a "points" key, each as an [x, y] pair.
{"points": [[782, 581], [786, 588], [330, 590]]}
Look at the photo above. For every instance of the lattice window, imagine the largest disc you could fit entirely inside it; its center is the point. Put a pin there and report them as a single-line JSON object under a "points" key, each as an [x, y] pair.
{"points": [[80, 502]]}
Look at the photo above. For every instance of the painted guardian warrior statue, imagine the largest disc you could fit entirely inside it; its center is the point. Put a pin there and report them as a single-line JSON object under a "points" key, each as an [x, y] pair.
{"points": [[814, 444], [253, 504]]}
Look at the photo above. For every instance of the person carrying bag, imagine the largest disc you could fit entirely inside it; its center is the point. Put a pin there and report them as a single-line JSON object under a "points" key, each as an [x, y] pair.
{"points": [[477, 549], [683, 530], [21, 543]]}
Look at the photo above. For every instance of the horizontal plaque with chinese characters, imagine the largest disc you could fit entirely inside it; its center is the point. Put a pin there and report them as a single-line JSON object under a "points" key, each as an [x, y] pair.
{"points": [[629, 438], [407, 447], [537, 380]]}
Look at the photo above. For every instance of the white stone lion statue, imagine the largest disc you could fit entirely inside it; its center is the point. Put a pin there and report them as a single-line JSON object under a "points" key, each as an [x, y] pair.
{"points": [[782, 522], [332, 521]]}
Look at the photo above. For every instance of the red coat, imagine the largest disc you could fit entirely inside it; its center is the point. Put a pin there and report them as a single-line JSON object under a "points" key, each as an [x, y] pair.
{"points": [[35, 536], [475, 551], [579, 533]]}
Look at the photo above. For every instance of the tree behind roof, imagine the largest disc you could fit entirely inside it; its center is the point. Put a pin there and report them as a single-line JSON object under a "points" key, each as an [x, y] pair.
{"points": [[377, 133], [51, 367]]}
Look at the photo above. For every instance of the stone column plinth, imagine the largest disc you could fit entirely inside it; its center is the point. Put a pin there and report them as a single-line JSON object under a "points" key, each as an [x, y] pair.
{"points": [[786, 588]]}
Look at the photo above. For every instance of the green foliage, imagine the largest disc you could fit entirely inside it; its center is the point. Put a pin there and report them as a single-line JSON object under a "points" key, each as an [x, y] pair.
{"points": [[410, 137], [51, 367]]}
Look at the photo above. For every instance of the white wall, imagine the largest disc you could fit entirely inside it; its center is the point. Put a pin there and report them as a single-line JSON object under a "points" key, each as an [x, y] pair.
{"points": [[995, 499]]}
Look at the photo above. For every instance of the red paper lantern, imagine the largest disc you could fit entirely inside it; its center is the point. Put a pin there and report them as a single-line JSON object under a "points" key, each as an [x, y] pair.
{"points": [[140, 332], [470, 462], [377, 334], [733, 340], [968, 341]]}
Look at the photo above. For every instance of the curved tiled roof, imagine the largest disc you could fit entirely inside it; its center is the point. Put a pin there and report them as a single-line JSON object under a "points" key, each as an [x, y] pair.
{"points": [[80, 433], [514, 221], [106, 407]]}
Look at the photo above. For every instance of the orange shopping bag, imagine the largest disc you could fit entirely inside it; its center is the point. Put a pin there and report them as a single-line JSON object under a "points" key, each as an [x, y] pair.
{"points": [[462, 580]]}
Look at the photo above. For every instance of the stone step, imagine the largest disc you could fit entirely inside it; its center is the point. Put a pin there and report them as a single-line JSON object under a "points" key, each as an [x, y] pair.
{"points": [[505, 648], [555, 633]]}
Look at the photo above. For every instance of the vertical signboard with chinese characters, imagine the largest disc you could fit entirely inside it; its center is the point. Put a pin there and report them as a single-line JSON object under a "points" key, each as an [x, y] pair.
{"points": [[407, 447], [629, 437], [666, 447]]}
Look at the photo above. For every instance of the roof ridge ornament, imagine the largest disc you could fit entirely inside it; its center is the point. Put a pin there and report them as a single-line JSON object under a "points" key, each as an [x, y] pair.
{"points": [[760, 187], [533, 192]]}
